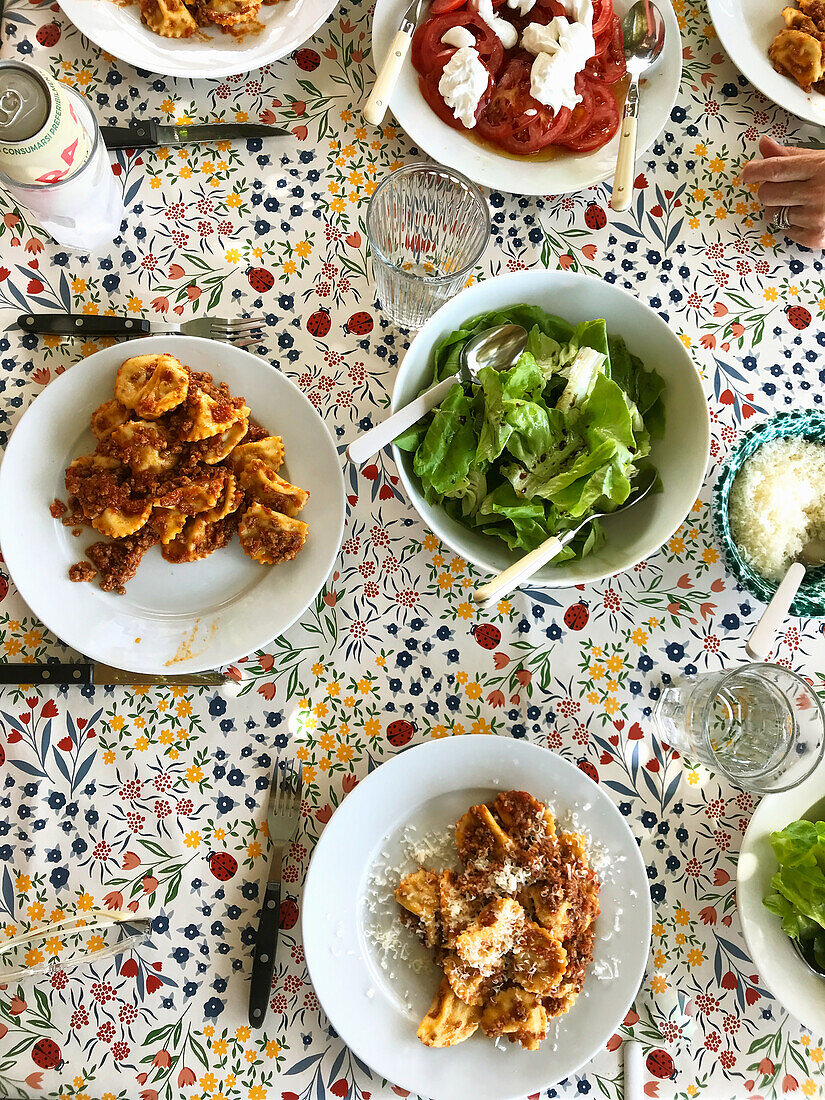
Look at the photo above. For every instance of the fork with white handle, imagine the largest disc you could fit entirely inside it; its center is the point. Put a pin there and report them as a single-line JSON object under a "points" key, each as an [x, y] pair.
{"points": [[240, 331]]}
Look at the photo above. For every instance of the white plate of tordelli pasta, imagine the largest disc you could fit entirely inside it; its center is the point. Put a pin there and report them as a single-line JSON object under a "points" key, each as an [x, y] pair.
{"points": [[476, 918], [198, 38], [170, 505]]}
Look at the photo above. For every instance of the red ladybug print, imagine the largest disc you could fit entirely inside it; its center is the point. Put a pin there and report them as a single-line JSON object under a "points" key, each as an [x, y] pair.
{"points": [[360, 324], [4, 587], [588, 769], [308, 60], [576, 616], [595, 217], [46, 1054], [49, 35], [318, 323], [660, 1064], [260, 279], [223, 865], [400, 732], [487, 635], [289, 913], [2, 756], [799, 317]]}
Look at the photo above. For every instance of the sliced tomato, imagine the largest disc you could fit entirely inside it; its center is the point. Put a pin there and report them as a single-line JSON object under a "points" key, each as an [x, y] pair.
{"points": [[441, 7], [515, 121], [429, 89], [551, 7], [602, 16], [603, 125], [582, 114], [430, 55], [609, 65]]}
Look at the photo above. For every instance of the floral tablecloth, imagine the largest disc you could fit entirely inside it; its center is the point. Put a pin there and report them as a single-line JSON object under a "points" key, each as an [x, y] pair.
{"points": [[113, 796]]}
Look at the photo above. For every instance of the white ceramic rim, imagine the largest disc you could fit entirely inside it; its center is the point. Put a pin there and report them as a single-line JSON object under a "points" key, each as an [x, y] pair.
{"points": [[132, 632], [559, 176], [342, 861], [779, 967], [463, 306]]}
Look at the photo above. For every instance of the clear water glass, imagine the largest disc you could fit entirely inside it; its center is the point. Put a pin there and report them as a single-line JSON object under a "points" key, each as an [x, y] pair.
{"points": [[760, 725], [428, 227]]}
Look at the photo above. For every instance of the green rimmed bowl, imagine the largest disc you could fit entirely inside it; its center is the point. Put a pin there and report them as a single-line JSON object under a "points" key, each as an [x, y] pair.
{"points": [[809, 602]]}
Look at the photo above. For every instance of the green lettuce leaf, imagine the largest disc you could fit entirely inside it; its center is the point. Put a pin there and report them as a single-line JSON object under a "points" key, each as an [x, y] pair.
{"points": [[446, 453], [800, 879]]}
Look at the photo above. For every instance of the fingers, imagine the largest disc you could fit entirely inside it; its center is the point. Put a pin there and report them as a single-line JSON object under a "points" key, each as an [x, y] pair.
{"points": [[770, 148], [798, 166], [784, 194], [810, 238]]}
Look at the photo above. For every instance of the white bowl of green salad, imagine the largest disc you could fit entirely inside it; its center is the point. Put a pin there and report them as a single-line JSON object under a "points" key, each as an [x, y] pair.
{"points": [[524, 455]]}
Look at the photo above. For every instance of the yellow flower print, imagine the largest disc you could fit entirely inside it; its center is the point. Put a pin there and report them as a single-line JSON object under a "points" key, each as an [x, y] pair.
{"points": [[361, 133], [194, 774], [141, 743], [693, 223], [369, 187], [658, 929], [324, 763], [258, 1092], [504, 607], [692, 1090], [346, 115], [611, 706], [430, 542], [108, 757], [816, 1054], [320, 710], [337, 205], [809, 1087], [23, 884], [241, 116], [710, 555], [658, 983], [677, 545], [365, 686], [192, 839], [461, 677], [317, 669], [117, 722], [78, 286], [309, 774], [349, 701], [303, 248], [659, 959], [458, 729], [445, 581], [380, 660], [232, 255], [219, 835], [185, 172], [770, 294], [326, 742], [242, 1033], [767, 240], [219, 1047], [596, 671], [438, 731], [272, 1049], [233, 200], [84, 902], [682, 916], [344, 753], [253, 849], [474, 690], [592, 698], [465, 610], [699, 194], [481, 725], [615, 662], [681, 939], [701, 150], [303, 754], [372, 727], [343, 729], [333, 688], [639, 636], [717, 165], [33, 957], [167, 106]]}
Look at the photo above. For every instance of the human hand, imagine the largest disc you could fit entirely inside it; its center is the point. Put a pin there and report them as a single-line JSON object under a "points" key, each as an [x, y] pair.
{"points": [[794, 178]]}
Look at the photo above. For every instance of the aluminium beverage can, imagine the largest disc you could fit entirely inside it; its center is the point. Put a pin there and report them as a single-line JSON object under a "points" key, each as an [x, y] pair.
{"points": [[42, 138]]}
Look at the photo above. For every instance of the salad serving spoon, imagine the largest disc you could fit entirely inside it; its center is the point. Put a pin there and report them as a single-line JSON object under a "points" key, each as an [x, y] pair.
{"points": [[499, 347], [644, 36], [525, 567]]}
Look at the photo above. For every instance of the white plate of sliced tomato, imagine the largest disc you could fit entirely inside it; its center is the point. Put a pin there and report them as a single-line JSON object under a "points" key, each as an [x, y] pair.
{"points": [[556, 152]]}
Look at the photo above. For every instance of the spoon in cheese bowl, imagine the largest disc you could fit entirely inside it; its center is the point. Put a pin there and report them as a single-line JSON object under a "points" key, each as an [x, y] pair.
{"points": [[643, 29], [760, 643]]}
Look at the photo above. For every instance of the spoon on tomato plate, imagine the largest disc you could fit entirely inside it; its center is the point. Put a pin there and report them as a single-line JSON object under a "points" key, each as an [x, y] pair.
{"points": [[643, 30]]}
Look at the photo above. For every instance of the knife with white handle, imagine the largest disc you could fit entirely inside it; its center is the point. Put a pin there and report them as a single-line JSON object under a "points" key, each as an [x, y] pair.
{"points": [[376, 106]]}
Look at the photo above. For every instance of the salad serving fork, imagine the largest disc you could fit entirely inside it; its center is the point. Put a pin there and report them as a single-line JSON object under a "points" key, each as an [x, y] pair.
{"points": [[240, 331], [282, 816]]}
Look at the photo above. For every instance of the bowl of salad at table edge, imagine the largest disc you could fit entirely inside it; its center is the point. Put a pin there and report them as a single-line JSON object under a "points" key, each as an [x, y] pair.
{"points": [[491, 82], [603, 389]]}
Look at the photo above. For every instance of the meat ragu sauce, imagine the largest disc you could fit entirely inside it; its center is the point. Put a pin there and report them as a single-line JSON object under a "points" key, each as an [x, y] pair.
{"points": [[509, 119]]}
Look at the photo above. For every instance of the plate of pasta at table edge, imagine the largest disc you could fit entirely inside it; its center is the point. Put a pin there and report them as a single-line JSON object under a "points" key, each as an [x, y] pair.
{"points": [[476, 918], [525, 95], [200, 38], [171, 505]]}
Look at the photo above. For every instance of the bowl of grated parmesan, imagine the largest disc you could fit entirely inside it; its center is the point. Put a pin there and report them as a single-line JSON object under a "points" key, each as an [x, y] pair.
{"points": [[769, 501]]}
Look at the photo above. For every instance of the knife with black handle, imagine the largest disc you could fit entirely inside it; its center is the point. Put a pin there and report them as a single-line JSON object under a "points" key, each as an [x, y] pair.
{"points": [[77, 324], [151, 135], [87, 672]]}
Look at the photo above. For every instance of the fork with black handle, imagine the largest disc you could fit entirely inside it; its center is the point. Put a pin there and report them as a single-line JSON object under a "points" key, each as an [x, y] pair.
{"points": [[240, 331], [281, 818]]}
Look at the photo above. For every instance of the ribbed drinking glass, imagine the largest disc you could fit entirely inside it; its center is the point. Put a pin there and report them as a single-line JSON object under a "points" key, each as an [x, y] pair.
{"points": [[428, 227]]}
